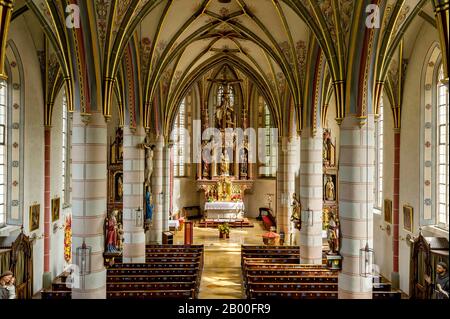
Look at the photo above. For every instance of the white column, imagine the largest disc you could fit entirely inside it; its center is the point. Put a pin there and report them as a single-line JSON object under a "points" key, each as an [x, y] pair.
{"points": [[311, 197], [166, 188], [355, 204], [287, 168], [155, 235], [89, 178], [133, 197]]}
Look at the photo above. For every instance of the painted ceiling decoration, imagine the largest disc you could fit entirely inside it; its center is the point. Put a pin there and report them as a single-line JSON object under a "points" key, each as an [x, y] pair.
{"points": [[149, 53]]}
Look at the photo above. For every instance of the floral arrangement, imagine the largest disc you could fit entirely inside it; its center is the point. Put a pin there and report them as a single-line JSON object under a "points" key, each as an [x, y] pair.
{"points": [[224, 228], [236, 198]]}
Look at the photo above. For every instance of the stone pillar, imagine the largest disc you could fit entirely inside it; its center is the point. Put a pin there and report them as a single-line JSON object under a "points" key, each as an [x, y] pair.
{"points": [[47, 206], [395, 276], [155, 235], [166, 188], [89, 169], [355, 204], [133, 197], [287, 155], [311, 197]]}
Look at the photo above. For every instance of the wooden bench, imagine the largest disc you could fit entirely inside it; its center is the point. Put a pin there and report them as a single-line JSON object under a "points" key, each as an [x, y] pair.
{"points": [[292, 295], [150, 278], [311, 286], [157, 265], [292, 279], [157, 294], [50, 294]]}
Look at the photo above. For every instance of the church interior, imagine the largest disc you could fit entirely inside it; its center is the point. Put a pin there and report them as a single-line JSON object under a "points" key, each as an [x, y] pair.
{"points": [[224, 149]]}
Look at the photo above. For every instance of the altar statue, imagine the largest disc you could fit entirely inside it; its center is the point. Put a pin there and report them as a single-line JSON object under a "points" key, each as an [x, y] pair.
{"points": [[329, 189], [296, 217], [333, 234], [224, 112], [111, 233], [224, 165]]}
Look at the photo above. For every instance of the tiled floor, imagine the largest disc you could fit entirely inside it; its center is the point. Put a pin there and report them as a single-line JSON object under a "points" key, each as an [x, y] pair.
{"points": [[221, 278]]}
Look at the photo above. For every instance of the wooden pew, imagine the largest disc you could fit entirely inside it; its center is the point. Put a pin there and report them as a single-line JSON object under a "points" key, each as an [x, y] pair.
{"points": [[157, 294], [308, 286], [151, 278], [153, 286], [186, 265], [292, 295]]}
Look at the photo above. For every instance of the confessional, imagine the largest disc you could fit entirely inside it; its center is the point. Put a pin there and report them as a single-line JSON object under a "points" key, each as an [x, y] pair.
{"points": [[426, 253], [18, 258]]}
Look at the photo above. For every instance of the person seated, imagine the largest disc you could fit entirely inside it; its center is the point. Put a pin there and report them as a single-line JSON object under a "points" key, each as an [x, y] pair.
{"points": [[7, 288], [441, 285]]}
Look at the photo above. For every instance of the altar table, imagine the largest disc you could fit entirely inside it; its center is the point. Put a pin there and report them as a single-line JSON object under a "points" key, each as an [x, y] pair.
{"points": [[224, 210]]}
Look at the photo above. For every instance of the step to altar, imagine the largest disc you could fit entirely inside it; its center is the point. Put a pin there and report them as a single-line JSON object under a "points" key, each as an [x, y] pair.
{"points": [[214, 223]]}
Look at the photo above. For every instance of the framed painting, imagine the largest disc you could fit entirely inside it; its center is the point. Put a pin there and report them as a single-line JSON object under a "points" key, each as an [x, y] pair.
{"points": [[55, 209], [35, 211], [408, 218], [388, 211]]}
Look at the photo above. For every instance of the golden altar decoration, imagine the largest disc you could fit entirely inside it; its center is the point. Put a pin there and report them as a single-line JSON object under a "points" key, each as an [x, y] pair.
{"points": [[225, 189]]}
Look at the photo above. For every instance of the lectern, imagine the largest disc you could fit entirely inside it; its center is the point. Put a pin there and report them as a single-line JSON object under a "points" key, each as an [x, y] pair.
{"points": [[188, 233]]}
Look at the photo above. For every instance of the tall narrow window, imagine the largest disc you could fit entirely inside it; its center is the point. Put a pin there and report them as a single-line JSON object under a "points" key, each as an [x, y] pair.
{"points": [[442, 152], [3, 153], [269, 167], [179, 145], [379, 152], [65, 152]]}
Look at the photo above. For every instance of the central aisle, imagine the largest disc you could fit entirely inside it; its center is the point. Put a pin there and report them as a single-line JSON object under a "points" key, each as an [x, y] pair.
{"points": [[221, 277]]}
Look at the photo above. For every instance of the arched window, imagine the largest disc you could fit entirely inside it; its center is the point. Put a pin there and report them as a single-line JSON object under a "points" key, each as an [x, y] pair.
{"points": [[379, 152], [181, 138], [442, 134], [3, 151], [269, 167]]}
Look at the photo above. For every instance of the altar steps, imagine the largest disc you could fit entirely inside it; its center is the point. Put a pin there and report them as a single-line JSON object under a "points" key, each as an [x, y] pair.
{"points": [[233, 224]]}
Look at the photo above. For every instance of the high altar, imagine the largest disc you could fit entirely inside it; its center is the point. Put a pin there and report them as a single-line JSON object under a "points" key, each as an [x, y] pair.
{"points": [[228, 177]]}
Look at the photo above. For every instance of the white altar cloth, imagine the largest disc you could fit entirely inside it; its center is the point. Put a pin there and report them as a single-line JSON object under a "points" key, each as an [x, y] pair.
{"points": [[224, 210], [174, 224]]}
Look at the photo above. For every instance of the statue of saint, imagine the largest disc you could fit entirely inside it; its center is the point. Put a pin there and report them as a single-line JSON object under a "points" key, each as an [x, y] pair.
{"points": [[244, 163], [296, 217], [329, 189], [333, 235], [149, 153], [111, 233], [120, 238], [148, 206], [224, 165], [224, 112]]}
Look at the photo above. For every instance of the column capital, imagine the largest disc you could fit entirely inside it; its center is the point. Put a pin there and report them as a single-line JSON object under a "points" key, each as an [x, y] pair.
{"points": [[85, 118]]}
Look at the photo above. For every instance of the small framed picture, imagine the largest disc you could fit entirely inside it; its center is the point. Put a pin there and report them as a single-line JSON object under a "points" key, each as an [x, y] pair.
{"points": [[35, 211], [408, 218], [388, 211], [55, 209]]}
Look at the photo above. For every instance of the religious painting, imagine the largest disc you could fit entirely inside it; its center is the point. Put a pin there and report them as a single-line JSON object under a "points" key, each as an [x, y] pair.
{"points": [[408, 218], [118, 186], [35, 211], [388, 211], [55, 209]]}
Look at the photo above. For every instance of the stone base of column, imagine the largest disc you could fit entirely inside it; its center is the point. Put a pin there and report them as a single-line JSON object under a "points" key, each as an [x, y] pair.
{"points": [[395, 280], [47, 280]]}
